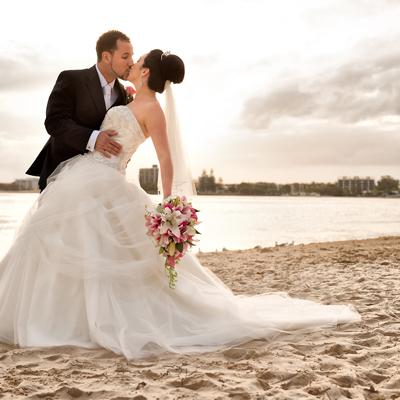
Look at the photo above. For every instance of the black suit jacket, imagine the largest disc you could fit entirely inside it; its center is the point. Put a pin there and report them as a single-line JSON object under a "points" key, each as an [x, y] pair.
{"points": [[74, 110]]}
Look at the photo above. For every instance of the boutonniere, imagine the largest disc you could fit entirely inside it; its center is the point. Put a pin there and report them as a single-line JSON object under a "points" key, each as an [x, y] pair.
{"points": [[130, 93]]}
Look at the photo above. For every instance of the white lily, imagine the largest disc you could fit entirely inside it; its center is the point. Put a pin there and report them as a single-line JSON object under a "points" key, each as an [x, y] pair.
{"points": [[171, 221]]}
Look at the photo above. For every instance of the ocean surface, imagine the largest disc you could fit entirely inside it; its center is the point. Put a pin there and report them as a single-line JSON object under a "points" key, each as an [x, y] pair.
{"points": [[242, 222]]}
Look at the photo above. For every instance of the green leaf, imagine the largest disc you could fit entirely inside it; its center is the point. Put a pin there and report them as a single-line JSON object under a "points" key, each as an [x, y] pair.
{"points": [[179, 246]]}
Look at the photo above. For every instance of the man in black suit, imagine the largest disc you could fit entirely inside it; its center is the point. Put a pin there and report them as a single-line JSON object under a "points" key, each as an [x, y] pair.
{"points": [[78, 103]]}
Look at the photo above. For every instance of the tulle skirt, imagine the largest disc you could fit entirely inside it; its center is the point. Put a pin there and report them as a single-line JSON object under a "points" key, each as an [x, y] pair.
{"points": [[82, 271]]}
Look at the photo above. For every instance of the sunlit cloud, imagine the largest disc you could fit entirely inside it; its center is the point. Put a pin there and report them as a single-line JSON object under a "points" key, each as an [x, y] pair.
{"points": [[364, 88], [23, 70]]}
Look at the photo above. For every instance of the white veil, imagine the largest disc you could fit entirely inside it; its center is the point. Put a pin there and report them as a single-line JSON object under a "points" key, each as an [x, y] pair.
{"points": [[182, 183]]}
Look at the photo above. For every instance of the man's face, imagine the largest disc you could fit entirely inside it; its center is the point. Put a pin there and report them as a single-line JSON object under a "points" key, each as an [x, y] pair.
{"points": [[121, 59]]}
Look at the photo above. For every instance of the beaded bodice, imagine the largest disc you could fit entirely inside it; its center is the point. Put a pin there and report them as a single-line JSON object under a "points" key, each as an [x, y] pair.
{"points": [[130, 136]]}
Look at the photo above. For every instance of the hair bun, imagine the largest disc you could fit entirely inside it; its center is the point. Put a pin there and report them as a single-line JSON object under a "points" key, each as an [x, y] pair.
{"points": [[163, 67], [172, 68]]}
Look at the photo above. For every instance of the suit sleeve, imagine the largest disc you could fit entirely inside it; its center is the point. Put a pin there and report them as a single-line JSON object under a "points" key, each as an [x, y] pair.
{"points": [[60, 121]]}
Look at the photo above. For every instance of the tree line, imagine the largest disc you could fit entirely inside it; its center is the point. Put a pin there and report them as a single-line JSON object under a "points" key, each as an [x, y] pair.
{"points": [[208, 184]]}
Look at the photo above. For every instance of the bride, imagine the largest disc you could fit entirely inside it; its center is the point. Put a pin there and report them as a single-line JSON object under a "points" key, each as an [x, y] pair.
{"points": [[82, 271]]}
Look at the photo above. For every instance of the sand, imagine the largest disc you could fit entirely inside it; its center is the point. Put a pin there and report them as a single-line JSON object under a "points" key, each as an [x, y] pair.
{"points": [[354, 361]]}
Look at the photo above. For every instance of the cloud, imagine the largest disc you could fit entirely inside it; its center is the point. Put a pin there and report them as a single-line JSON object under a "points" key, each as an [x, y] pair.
{"points": [[16, 157], [20, 141], [319, 152], [201, 60], [362, 89], [363, 147], [321, 144], [14, 128], [24, 69]]}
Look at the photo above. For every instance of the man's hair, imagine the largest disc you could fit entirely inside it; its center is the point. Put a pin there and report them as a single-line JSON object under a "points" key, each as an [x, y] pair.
{"points": [[108, 42]]}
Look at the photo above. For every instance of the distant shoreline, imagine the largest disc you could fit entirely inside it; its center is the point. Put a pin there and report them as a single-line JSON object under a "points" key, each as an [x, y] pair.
{"points": [[244, 195]]}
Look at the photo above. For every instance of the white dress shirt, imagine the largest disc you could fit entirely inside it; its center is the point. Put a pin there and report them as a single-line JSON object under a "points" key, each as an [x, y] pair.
{"points": [[110, 97]]}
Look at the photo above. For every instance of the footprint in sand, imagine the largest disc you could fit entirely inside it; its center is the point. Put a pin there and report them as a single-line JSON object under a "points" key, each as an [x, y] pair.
{"points": [[345, 380], [317, 390], [62, 392], [339, 350], [336, 393], [299, 380], [375, 377], [265, 378], [240, 354], [394, 383], [138, 397], [371, 342], [53, 357], [149, 374], [27, 365], [195, 381], [331, 365], [239, 395]]}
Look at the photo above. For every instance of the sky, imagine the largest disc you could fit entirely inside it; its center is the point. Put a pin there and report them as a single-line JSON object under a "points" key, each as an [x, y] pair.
{"points": [[288, 91]]}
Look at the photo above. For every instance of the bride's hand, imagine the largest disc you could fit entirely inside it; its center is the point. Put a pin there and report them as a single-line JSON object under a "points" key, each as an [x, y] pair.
{"points": [[106, 145]]}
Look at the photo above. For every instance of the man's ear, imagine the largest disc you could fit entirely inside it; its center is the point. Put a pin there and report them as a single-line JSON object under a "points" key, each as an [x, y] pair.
{"points": [[106, 57]]}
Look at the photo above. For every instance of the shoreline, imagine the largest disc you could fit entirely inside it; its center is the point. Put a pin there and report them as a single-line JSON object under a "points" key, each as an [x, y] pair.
{"points": [[359, 361], [292, 244], [328, 242], [387, 196]]}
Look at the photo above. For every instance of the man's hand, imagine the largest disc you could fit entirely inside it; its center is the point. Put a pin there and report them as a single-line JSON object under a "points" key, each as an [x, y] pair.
{"points": [[106, 145]]}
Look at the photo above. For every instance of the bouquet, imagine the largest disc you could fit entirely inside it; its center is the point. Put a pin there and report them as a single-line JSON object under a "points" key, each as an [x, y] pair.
{"points": [[172, 227]]}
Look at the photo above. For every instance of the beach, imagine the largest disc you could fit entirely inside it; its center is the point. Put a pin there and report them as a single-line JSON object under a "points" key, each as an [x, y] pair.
{"points": [[353, 361]]}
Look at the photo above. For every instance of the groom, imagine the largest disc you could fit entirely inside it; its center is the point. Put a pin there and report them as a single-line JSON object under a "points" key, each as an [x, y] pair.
{"points": [[78, 104]]}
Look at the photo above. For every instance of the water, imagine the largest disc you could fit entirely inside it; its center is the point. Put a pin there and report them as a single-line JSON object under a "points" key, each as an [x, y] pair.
{"points": [[241, 222]]}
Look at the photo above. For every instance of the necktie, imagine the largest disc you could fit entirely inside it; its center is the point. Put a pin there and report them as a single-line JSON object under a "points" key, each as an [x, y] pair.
{"points": [[107, 96]]}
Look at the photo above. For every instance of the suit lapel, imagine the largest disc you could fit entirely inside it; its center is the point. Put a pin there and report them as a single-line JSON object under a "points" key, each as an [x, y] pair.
{"points": [[95, 90]]}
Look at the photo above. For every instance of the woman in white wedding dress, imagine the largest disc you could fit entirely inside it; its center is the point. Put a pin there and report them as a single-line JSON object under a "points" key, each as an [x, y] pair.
{"points": [[82, 271]]}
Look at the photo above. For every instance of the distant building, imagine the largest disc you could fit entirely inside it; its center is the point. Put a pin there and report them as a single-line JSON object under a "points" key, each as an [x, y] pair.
{"points": [[206, 182], [26, 184], [356, 185], [297, 189], [148, 179]]}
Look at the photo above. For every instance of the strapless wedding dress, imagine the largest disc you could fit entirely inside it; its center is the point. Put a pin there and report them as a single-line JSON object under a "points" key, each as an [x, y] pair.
{"points": [[82, 271]]}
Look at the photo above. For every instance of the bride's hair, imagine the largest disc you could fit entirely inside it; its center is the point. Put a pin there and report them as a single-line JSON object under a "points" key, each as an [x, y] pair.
{"points": [[163, 67]]}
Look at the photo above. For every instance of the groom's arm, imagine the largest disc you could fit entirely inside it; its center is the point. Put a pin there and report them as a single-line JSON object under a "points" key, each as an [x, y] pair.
{"points": [[60, 122]]}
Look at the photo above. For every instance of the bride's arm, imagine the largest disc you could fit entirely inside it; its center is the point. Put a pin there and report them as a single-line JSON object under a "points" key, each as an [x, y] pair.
{"points": [[156, 127]]}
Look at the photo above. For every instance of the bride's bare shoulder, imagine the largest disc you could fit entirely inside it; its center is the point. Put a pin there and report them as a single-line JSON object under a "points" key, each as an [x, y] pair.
{"points": [[154, 119], [154, 113]]}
